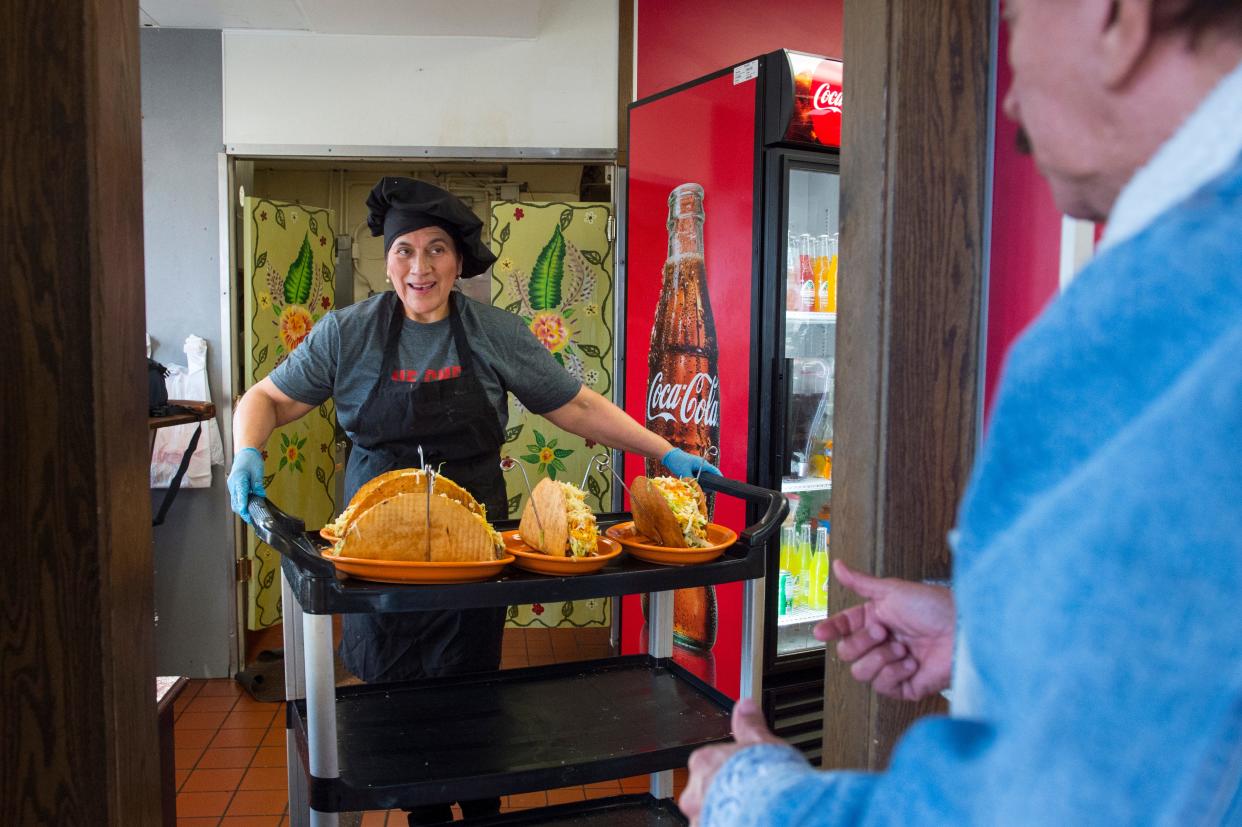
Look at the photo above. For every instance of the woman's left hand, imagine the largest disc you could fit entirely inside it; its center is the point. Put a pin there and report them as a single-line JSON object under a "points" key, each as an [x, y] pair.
{"points": [[749, 729], [684, 464]]}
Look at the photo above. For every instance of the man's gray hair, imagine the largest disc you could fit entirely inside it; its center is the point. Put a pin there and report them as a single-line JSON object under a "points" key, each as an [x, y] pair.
{"points": [[1198, 16]]}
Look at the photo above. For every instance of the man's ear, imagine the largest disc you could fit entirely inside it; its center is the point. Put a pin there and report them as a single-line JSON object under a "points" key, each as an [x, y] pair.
{"points": [[1124, 40]]}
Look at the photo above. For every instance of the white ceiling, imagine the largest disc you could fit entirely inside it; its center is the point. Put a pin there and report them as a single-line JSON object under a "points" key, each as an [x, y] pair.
{"points": [[461, 18]]}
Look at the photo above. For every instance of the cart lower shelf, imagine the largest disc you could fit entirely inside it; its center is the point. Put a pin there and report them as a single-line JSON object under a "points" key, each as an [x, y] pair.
{"points": [[514, 731], [619, 811]]}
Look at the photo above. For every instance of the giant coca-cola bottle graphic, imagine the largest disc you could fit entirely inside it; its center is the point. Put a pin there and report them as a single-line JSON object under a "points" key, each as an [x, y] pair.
{"points": [[683, 386]]}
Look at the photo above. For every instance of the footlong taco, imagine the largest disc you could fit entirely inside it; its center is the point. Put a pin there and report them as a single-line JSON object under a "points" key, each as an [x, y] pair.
{"points": [[670, 511], [393, 518], [396, 482], [557, 521]]}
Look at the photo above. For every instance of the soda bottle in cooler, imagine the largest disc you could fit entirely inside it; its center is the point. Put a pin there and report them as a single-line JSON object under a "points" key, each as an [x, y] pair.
{"points": [[805, 560], [789, 539], [683, 385], [806, 274], [820, 266], [793, 285], [818, 578], [830, 300], [788, 577]]}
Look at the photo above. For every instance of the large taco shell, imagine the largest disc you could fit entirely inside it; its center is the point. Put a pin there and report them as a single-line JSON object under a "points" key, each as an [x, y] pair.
{"points": [[400, 528], [544, 525], [557, 521], [392, 483], [655, 518]]}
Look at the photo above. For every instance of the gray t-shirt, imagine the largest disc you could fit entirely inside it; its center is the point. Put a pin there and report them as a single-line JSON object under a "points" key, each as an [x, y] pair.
{"points": [[342, 355]]}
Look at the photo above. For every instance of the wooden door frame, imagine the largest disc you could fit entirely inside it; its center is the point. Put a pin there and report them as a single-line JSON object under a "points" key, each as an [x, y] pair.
{"points": [[909, 357], [77, 689]]}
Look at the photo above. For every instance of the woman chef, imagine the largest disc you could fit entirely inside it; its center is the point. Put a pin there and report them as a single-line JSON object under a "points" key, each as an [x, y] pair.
{"points": [[425, 366]]}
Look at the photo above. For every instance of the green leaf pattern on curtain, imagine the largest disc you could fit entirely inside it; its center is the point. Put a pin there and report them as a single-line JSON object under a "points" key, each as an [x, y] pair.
{"points": [[290, 255], [554, 269]]}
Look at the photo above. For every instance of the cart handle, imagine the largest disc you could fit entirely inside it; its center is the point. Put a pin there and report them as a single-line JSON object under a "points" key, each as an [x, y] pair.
{"points": [[773, 501], [287, 534]]}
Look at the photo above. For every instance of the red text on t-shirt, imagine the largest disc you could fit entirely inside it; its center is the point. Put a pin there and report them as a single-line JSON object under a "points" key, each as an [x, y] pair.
{"points": [[429, 375]]}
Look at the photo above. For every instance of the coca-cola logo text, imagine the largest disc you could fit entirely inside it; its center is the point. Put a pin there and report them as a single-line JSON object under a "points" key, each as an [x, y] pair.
{"points": [[827, 99], [696, 401]]}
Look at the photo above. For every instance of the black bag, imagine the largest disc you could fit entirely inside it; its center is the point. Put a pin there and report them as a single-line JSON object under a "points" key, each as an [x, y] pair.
{"points": [[157, 392]]}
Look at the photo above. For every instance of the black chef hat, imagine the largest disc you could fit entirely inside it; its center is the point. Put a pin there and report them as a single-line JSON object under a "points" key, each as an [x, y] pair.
{"points": [[402, 205]]}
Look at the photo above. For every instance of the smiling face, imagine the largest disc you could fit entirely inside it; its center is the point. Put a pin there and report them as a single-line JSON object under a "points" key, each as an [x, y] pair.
{"points": [[422, 266]]}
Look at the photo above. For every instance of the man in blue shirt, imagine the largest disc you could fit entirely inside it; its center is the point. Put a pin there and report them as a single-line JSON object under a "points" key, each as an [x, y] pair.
{"points": [[1093, 637]]}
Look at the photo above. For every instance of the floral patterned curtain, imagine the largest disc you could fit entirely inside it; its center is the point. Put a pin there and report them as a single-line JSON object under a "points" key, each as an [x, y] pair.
{"points": [[290, 266]]}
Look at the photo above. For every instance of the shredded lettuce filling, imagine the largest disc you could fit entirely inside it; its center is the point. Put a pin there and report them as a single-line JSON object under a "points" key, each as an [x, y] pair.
{"points": [[684, 501], [582, 532]]}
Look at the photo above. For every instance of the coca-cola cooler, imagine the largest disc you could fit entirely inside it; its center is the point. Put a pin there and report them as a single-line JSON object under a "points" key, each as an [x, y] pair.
{"points": [[729, 341]]}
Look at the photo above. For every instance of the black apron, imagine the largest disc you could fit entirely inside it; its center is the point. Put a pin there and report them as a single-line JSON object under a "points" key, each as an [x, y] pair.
{"points": [[454, 422]]}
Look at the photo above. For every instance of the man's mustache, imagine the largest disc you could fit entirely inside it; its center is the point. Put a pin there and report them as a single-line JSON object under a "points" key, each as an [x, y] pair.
{"points": [[1022, 141]]}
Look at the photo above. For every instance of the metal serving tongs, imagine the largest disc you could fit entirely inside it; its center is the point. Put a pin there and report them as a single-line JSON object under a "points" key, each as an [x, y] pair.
{"points": [[432, 474], [710, 454], [602, 463], [508, 463]]}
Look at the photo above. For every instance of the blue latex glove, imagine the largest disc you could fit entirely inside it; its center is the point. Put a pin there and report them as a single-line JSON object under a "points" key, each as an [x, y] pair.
{"points": [[245, 479], [684, 464]]}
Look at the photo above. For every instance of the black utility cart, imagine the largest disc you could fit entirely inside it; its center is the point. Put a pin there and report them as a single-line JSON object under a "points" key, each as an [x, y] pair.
{"points": [[382, 746]]}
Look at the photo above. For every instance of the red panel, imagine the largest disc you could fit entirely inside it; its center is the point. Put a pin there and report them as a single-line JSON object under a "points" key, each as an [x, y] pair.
{"points": [[679, 41], [1026, 238], [706, 135]]}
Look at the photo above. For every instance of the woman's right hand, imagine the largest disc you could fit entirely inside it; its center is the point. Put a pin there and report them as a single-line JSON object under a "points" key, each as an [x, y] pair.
{"points": [[900, 640], [245, 479], [260, 411]]}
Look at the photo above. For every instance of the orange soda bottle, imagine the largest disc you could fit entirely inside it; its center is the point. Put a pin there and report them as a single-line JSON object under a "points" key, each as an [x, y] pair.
{"points": [[828, 296]]}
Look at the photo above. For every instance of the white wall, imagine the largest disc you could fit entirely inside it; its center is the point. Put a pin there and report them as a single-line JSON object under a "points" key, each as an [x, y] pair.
{"points": [[193, 549], [555, 90]]}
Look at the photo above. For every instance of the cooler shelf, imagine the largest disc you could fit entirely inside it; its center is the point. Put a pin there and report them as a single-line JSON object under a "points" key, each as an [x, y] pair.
{"points": [[640, 810], [514, 731], [801, 615], [810, 316], [791, 485]]}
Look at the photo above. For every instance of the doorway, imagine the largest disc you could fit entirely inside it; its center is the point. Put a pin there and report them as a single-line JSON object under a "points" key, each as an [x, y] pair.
{"points": [[336, 190]]}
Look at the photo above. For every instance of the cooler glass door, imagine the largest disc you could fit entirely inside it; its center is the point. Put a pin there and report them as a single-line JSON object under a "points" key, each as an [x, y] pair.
{"points": [[807, 253], [690, 287]]}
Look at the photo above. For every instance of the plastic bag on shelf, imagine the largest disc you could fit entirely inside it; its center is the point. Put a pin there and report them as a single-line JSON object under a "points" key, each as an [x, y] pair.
{"points": [[187, 381]]}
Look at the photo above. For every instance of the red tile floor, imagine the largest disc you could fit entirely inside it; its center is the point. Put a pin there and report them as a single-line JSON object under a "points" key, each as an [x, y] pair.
{"points": [[231, 748]]}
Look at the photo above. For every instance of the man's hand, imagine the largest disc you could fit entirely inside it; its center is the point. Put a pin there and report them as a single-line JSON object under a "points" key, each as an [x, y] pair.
{"points": [[900, 641], [749, 729]]}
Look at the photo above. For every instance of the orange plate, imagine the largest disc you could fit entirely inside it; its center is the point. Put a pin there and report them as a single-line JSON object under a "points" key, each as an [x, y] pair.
{"points": [[540, 563], [719, 538], [409, 571]]}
